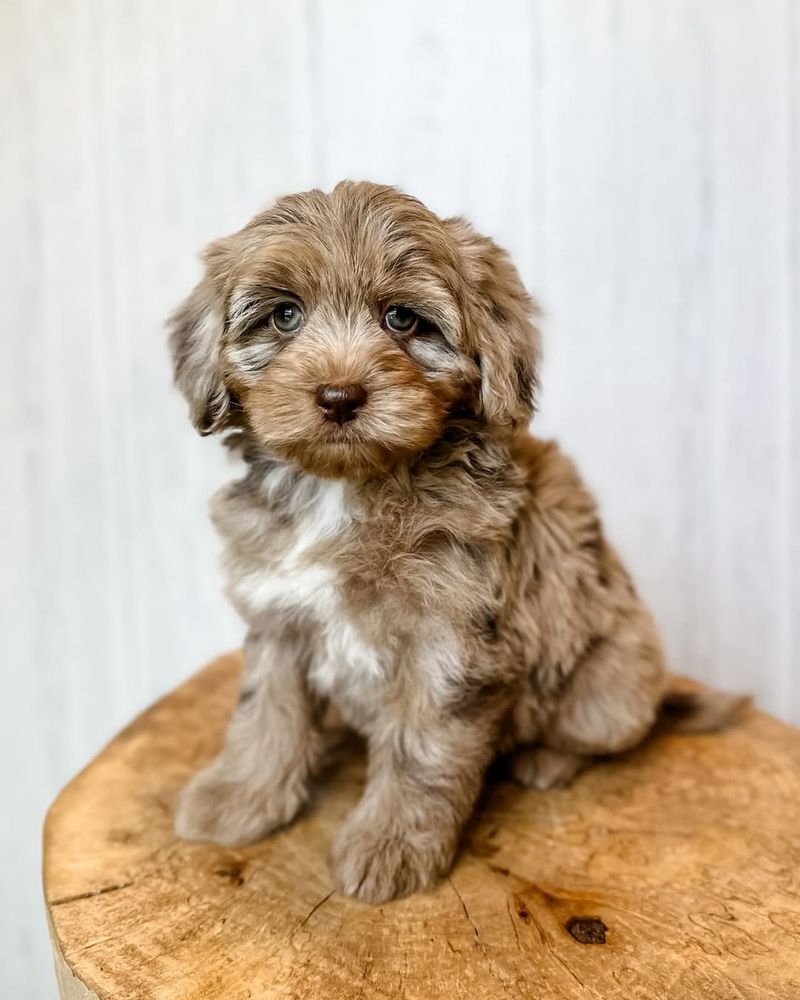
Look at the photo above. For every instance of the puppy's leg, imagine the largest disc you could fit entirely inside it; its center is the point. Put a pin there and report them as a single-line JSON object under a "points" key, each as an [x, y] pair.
{"points": [[543, 768], [273, 744], [612, 698], [421, 786]]}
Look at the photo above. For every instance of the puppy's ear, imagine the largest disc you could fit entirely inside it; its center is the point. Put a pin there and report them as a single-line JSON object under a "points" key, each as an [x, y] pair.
{"points": [[195, 330], [503, 338]]}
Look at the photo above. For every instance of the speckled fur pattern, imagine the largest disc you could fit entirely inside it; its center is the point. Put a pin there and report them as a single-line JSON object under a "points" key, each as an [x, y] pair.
{"points": [[428, 574]]}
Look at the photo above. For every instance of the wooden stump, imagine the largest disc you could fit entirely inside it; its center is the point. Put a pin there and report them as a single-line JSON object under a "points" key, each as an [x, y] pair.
{"points": [[671, 873]]}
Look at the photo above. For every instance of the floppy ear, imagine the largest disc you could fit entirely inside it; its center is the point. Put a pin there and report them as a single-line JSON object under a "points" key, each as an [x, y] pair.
{"points": [[195, 330], [502, 336]]}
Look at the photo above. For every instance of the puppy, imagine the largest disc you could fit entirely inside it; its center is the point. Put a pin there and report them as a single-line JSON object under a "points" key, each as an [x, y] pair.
{"points": [[403, 552]]}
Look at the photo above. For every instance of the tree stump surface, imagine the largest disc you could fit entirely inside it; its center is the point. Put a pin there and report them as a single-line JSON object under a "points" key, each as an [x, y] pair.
{"points": [[673, 872]]}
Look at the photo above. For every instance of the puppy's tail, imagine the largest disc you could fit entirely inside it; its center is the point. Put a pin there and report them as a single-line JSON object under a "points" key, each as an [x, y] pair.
{"points": [[702, 710]]}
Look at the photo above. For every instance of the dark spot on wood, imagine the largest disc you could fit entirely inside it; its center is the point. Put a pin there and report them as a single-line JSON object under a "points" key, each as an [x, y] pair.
{"points": [[587, 930], [523, 914], [231, 872]]}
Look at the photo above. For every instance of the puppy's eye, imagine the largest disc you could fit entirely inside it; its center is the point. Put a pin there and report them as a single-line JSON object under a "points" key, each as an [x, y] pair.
{"points": [[287, 317], [400, 319]]}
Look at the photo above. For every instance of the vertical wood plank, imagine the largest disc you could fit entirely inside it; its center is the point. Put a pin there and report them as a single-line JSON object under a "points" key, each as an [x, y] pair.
{"points": [[789, 689], [139, 133], [443, 100], [24, 703], [666, 238], [747, 513], [627, 152]]}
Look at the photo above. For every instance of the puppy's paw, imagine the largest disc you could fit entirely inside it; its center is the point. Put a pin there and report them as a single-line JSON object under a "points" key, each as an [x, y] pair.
{"points": [[216, 807], [542, 768], [380, 861]]}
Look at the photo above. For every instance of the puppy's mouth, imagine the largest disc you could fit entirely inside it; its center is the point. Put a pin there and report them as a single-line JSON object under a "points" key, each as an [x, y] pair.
{"points": [[359, 431], [343, 428], [367, 438]]}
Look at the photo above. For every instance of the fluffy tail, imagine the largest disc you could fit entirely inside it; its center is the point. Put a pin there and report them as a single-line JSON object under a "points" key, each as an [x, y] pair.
{"points": [[702, 710]]}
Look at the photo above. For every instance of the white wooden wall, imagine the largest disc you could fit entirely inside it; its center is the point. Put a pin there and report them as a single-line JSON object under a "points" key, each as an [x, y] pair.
{"points": [[642, 162]]}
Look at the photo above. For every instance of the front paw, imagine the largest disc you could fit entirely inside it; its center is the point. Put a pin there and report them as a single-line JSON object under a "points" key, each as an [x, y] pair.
{"points": [[218, 807], [379, 861]]}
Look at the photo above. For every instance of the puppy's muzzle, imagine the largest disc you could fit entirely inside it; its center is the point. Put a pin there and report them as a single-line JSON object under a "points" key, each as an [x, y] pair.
{"points": [[340, 402]]}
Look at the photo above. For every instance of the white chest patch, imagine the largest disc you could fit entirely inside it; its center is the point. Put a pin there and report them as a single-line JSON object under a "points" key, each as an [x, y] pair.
{"points": [[344, 662], [294, 580]]}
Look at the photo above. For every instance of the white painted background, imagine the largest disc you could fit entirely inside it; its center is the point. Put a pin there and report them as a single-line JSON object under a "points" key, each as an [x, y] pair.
{"points": [[641, 160]]}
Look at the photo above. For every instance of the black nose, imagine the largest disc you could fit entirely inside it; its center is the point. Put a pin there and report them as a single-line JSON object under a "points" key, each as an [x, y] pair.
{"points": [[340, 402]]}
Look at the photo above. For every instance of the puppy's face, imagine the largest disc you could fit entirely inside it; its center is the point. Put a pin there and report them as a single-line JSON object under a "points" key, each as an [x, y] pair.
{"points": [[346, 329]]}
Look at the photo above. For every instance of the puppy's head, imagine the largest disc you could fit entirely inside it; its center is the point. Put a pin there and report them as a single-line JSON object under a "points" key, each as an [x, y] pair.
{"points": [[345, 330]]}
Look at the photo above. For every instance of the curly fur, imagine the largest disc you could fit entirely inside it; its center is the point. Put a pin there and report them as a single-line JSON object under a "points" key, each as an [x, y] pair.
{"points": [[428, 571]]}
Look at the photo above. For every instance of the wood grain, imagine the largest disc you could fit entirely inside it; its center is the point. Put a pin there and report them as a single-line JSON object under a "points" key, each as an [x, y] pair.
{"points": [[672, 873]]}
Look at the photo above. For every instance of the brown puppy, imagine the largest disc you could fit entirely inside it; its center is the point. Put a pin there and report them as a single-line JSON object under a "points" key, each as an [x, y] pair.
{"points": [[402, 551]]}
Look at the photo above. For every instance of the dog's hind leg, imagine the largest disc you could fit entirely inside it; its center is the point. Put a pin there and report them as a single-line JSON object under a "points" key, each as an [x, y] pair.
{"points": [[611, 701]]}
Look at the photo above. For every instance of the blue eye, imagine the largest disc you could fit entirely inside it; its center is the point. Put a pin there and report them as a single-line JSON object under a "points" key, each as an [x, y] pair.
{"points": [[400, 319], [287, 317]]}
